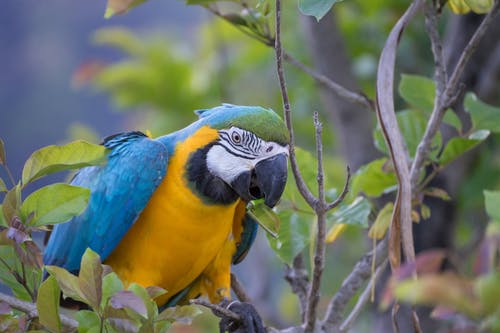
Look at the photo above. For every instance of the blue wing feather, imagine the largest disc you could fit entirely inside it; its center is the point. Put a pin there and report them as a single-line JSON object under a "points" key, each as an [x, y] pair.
{"points": [[250, 227], [119, 192]]}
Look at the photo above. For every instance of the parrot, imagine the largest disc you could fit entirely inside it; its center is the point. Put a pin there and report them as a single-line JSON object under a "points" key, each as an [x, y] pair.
{"points": [[172, 211]]}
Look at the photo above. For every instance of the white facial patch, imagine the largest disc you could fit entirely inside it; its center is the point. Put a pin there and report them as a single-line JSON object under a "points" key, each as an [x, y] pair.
{"points": [[238, 151]]}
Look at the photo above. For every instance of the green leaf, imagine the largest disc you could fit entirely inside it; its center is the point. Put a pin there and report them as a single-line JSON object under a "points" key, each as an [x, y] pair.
{"points": [[67, 282], [3, 223], [420, 91], [47, 304], [412, 124], [183, 314], [146, 298], [372, 180], [115, 7], [452, 119], [266, 217], [3, 187], [483, 116], [487, 288], [447, 289], [492, 203], [457, 146], [356, 213], [316, 8], [87, 321], [9, 256], [154, 291], [3, 159], [52, 159], [111, 284], [11, 203], [293, 236], [382, 222], [90, 278], [55, 203]]}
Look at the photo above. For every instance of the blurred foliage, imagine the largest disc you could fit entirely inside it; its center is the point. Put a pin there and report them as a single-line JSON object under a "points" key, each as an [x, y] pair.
{"points": [[474, 295], [166, 79]]}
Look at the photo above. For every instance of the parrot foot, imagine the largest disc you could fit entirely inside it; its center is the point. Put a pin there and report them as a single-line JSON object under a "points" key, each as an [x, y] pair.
{"points": [[249, 322]]}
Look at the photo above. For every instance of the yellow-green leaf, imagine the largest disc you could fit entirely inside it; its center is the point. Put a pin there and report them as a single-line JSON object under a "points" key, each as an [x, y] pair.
{"points": [[67, 282], [115, 7], [447, 289], [458, 6], [3, 159], [382, 222], [52, 159], [3, 187], [480, 6], [11, 203], [335, 232], [55, 203], [265, 217], [487, 287], [184, 314], [47, 304], [90, 278]]}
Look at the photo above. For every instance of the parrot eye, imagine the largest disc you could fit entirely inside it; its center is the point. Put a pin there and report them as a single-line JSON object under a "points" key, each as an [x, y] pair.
{"points": [[236, 137]]}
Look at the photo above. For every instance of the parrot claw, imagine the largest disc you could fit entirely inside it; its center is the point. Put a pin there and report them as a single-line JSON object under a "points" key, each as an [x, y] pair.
{"points": [[250, 321]]}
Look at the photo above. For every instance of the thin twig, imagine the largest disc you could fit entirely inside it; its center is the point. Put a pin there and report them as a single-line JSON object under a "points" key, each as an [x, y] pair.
{"points": [[449, 95], [319, 252], [301, 185], [239, 290], [363, 298], [217, 309], [469, 50], [298, 279], [431, 26], [342, 195], [339, 90], [29, 308], [351, 284]]}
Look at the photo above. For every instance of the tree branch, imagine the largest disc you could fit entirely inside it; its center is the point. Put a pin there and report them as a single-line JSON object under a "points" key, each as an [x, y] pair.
{"points": [[319, 252], [341, 91], [298, 279], [351, 284], [448, 96], [363, 298], [401, 227], [239, 290], [223, 312], [431, 26], [30, 309], [342, 195], [301, 185]]}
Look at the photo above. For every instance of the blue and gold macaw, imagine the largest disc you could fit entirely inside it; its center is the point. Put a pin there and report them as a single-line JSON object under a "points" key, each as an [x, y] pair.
{"points": [[171, 212]]}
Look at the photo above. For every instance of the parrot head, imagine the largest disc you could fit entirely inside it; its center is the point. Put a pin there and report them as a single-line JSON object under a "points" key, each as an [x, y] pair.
{"points": [[249, 155]]}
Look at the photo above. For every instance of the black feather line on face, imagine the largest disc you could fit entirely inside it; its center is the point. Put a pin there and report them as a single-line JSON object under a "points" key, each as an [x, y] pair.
{"points": [[211, 189]]}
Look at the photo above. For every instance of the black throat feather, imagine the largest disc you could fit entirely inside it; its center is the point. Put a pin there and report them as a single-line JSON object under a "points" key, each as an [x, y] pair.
{"points": [[210, 188]]}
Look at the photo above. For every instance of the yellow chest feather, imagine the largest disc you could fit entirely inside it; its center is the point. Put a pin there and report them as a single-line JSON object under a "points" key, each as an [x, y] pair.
{"points": [[177, 236]]}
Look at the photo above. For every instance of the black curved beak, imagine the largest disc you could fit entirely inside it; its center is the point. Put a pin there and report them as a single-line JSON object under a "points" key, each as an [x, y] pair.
{"points": [[267, 180]]}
